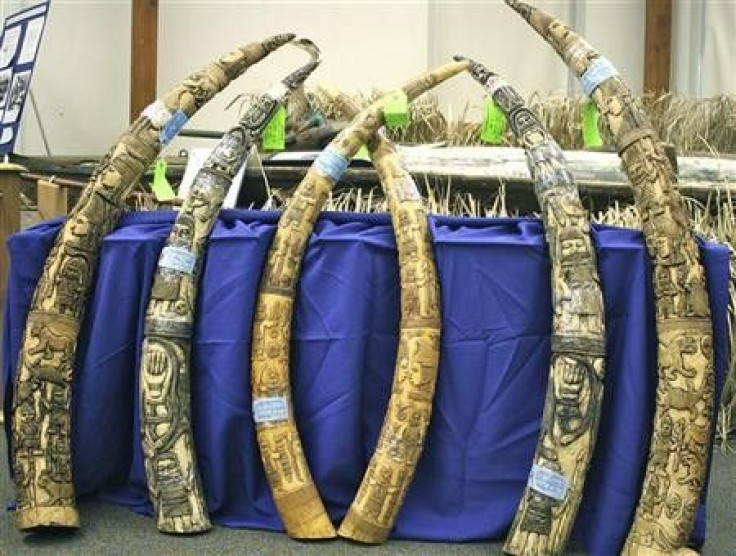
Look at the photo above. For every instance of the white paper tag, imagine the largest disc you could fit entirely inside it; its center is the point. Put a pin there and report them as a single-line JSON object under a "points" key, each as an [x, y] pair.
{"points": [[277, 91], [495, 83], [548, 482], [157, 113], [268, 410], [598, 72], [178, 258]]}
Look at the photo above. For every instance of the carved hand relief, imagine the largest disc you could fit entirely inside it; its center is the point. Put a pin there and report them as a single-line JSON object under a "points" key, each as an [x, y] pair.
{"points": [[684, 405], [42, 450], [554, 489], [173, 479]]}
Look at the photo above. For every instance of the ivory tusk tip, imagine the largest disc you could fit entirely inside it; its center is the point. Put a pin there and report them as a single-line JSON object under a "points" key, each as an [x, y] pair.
{"points": [[321, 534], [355, 527], [521, 7], [538, 19], [43, 518], [277, 41], [192, 528]]}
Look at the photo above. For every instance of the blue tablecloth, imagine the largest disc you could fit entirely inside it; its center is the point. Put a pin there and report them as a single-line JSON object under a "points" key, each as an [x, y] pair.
{"points": [[495, 357]]}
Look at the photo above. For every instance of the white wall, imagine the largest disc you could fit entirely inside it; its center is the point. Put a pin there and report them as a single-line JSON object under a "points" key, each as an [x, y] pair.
{"points": [[82, 81], [704, 47], [363, 47], [82, 77]]}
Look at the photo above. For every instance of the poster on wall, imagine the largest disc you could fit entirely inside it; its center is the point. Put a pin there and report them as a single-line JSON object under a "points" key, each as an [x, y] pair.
{"points": [[19, 44]]}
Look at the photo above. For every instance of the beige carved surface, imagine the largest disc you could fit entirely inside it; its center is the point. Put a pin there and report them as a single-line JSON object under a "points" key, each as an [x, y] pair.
{"points": [[680, 443], [292, 486], [391, 469], [41, 410], [550, 502], [172, 474]]}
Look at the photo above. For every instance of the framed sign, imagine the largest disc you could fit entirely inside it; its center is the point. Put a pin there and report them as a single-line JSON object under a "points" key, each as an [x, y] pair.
{"points": [[21, 38]]}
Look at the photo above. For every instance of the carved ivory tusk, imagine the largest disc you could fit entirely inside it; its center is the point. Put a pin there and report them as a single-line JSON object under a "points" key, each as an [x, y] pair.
{"points": [[573, 403], [391, 469], [294, 492], [174, 482], [41, 408], [680, 443]]}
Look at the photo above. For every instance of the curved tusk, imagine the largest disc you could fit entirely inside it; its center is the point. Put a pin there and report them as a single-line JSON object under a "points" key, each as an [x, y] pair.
{"points": [[680, 444], [391, 469], [41, 407], [552, 496], [292, 486], [172, 474]]}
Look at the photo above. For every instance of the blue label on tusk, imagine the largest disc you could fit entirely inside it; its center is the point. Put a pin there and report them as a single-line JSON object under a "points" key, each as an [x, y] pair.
{"points": [[548, 482], [178, 258], [172, 127], [268, 410], [331, 163], [600, 70]]}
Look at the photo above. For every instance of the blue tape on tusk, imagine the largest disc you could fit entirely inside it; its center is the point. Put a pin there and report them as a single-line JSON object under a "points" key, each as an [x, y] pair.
{"points": [[600, 70], [331, 163]]}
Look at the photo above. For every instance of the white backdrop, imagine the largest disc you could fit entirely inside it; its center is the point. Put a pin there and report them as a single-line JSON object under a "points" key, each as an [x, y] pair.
{"points": [[82, 78]]}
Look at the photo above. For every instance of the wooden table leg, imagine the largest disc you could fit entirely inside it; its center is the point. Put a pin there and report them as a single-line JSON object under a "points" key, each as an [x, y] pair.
{"points": [[9, 217]]}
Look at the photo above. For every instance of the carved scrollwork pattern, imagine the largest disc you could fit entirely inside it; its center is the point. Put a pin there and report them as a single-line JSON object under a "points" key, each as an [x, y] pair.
{"points": [[287, 471], [550, 502], [680, 443], [42, 450]]}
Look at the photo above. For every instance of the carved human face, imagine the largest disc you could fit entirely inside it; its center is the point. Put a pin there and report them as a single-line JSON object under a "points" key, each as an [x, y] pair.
{"points": [[673, 506], [168, 469], [666, 427], [573, 249], [663, 246], [385, 474], [183, 229], [231, 146], [81, 226], [49, 349]]}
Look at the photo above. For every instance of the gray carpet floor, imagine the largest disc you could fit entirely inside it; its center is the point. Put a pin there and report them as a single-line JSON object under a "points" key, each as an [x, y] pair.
{"points": [[108, 529]]}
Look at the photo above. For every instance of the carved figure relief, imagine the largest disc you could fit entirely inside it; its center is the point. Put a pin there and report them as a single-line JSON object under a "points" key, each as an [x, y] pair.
{"points": [[173, 478], [295, 494], [680, 441], [43, 380], [552, 496]]}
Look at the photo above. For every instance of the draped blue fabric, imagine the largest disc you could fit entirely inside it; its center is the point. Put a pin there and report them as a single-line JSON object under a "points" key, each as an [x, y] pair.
{"points": [[495, 357]]}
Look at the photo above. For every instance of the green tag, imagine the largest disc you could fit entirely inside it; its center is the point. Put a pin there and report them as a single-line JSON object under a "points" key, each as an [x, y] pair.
{"points": [[160, 186], [274, 134], [362, 154], [591, 134], [494, 123], [396, 109]]}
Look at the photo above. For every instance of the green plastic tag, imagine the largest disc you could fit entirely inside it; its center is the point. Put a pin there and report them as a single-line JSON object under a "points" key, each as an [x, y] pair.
{"points": [[591, 134], [274, 134], [160, 186], [494, 123], [396, 109], [362, 154]]}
